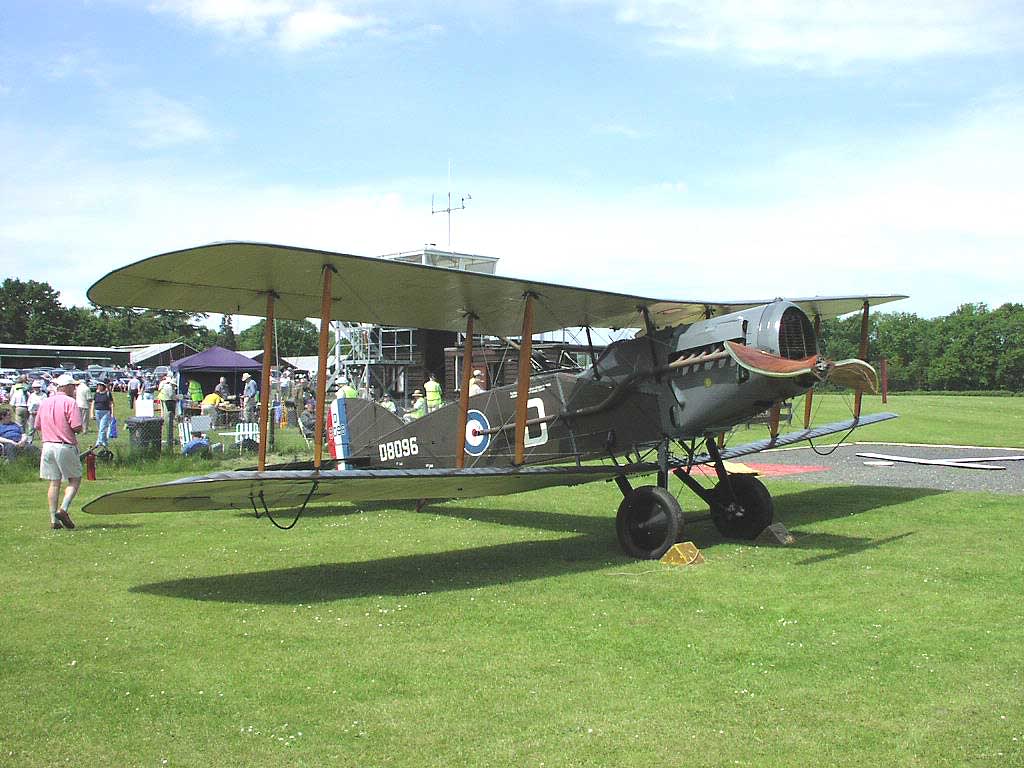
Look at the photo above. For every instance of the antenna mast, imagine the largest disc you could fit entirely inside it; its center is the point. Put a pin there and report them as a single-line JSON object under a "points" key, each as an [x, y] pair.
{"points": [[460, 207]]}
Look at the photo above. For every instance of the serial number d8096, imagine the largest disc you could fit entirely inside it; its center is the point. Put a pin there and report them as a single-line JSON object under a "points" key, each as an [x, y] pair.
{"points": [[398, 449]]}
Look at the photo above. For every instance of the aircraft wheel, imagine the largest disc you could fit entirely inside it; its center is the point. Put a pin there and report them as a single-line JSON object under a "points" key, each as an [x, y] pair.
{"points": [[649, 522], [749, 515]]}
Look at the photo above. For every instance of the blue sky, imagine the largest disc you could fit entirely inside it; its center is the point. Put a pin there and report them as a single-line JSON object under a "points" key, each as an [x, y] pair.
{"points": [[672, 148]]}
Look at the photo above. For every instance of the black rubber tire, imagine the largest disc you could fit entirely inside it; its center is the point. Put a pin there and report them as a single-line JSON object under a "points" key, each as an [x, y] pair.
{"points": [[649, 522], [752, 514]]}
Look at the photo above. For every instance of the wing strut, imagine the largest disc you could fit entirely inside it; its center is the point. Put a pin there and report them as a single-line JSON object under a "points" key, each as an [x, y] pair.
{"points": [[467, 365], [863, 356], [265, 380], [321, 370], [810, 392], [523, 386]]}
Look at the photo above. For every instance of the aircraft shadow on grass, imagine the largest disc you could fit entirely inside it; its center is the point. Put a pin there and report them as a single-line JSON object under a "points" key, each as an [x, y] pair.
{"points": [[816, 505], [592, 547]]}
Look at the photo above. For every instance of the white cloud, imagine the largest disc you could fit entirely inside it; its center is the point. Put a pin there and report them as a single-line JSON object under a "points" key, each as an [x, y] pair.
{"points": [[231, 17], [157, 121], [317, 25], [933, 214], [831, 34], [293, 25]]}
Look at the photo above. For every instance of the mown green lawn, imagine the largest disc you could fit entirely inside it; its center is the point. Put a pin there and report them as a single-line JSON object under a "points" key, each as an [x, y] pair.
{"points": [[511, 631], [931, 419]]}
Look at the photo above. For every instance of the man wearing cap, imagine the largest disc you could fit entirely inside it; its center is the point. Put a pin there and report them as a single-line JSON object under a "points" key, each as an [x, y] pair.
{"points": [[59, 422], [167, 394], [419, 405], [19, 402], [249, 397], [346, 390], [476, 384]]}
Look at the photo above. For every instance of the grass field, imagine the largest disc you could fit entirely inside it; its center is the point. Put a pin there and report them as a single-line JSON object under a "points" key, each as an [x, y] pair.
{"points": [[511, 631]]}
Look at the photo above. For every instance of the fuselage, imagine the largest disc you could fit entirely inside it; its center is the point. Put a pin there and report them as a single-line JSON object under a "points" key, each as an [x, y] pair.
{"points": [[676, 383]]}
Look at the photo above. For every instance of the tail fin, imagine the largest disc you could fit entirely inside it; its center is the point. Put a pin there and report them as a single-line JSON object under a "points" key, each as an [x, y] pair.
{"points": [[355, 424]]}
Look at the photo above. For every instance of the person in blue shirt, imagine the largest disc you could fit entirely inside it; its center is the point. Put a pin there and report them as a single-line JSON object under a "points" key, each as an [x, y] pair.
{"points": [[12, 437]]}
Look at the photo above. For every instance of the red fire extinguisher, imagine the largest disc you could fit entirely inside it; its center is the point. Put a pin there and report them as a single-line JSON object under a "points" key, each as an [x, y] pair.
{"points": [[90, 465]]}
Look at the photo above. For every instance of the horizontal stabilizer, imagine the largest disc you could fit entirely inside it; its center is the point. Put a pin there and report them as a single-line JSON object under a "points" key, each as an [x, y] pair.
{"points": [[791, 438], [290, 488]]}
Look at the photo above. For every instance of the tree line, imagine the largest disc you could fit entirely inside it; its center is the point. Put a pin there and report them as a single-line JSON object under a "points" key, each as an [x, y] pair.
{"points": [[31, 313], [973, 348]]}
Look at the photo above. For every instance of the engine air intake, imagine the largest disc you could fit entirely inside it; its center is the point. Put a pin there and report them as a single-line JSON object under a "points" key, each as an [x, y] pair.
{"points": [[796, 335]]}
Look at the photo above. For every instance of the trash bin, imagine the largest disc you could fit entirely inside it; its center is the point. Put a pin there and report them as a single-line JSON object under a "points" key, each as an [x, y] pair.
{"points": [[144, 433]]}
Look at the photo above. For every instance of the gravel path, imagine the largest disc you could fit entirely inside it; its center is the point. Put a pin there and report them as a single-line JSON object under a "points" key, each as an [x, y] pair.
{"points": [[844, 466]]}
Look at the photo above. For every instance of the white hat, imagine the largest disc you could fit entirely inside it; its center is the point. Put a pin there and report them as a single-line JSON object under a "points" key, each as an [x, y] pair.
{"points": [[246, 375], [478, 372], [64, 380]]}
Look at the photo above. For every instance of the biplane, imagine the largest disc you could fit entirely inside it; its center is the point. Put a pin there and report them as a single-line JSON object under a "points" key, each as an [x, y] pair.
{"points": [[653, 405]]}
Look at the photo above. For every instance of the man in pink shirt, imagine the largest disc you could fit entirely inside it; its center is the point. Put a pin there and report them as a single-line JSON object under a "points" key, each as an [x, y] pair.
{"points": [[59, 420]]}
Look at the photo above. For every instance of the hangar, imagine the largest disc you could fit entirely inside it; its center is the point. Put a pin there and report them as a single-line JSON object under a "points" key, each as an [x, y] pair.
{"points": [[33, 355]]}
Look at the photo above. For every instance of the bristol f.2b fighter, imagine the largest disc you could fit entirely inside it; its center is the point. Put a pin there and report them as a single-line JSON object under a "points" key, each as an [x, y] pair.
{"points": [[654, 405]]}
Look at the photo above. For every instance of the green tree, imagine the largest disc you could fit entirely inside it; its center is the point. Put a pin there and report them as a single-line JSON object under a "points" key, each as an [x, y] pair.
{"points": [[226, 333], [901, 338], [294, 337], [31, 313], [1008, 326]]}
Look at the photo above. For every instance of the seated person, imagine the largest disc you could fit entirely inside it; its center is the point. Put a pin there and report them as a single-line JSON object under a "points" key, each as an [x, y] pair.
{"points": [[199, 443], [12, 438]]}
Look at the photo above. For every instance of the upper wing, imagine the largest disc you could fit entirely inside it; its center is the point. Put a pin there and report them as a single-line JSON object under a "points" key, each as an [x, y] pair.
{"points": [[283, 488], [235, 277]]}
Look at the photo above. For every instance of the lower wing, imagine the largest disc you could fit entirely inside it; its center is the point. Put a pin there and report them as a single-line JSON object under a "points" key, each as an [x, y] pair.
{"points": [[796, 437], [288, 488]]}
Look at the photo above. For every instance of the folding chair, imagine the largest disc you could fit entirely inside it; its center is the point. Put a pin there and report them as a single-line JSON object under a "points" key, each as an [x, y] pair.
{"points": [[197, 424], [305, 435], [246, 430]]}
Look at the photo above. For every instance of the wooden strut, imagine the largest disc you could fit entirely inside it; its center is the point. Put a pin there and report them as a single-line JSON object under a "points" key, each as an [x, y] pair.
{"points": [[863, 356], [321, 371], [810, 392], [773, 420], [467, 374], [523, 385], [268, 339]]}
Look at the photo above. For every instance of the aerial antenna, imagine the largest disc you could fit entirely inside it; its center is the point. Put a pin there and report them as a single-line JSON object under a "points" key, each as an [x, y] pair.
{"points": [[460, 207]]}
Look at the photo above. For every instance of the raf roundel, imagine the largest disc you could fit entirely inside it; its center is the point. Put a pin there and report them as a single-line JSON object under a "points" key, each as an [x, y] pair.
{"points": [[477, 437]]}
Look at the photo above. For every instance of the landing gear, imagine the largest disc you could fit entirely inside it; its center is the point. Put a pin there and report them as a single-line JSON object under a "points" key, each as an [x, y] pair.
{"points": [[745, 511], [649, 522]]}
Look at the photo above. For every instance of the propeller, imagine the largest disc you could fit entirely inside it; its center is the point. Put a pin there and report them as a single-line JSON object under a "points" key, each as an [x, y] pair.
{"points": [[855, 374]]}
